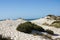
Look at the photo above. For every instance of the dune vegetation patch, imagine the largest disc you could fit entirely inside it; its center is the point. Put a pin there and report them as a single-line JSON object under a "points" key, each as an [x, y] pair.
{"points": [[49, 31], [27, 27], [56, 24]]}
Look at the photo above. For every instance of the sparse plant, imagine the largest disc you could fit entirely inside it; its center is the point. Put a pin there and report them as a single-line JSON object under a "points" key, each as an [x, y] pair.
{"points": [[49, 32], [45, 23]]}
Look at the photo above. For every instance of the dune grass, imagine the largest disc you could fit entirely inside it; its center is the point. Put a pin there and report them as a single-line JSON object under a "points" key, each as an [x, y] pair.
{"points": [[56, 24]]}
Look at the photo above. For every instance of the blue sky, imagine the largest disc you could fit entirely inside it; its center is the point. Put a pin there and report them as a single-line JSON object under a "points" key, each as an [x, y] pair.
{"points": [[28, 8]]}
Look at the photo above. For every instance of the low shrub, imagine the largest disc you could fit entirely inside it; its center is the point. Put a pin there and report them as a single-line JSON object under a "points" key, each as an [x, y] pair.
{"points": [[38, 28], [27, 27], [49, 32]]}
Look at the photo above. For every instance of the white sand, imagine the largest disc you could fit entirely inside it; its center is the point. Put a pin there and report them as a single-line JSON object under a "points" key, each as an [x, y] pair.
{"points": [[8, 29], [42, 21]]}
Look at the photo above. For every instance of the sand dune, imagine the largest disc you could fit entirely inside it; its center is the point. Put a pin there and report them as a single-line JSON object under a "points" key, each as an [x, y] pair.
{"points": [[8, 29]]}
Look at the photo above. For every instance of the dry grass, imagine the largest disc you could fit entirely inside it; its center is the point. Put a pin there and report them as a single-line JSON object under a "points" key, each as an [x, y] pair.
{"points": [[56, 24]]}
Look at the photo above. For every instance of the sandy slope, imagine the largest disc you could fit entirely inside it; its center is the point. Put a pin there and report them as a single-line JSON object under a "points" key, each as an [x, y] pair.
{"points": [[8, 29], [44, 20]]}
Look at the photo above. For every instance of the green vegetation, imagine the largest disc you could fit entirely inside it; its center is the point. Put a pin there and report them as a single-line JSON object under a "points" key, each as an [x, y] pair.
{"points": [[4, 38], [27, 27], [38, 28], [49, 32], [56, 24]]}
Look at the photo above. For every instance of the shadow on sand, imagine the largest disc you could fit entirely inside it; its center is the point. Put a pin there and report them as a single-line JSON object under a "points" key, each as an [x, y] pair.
{"points": [[56, 35]]}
